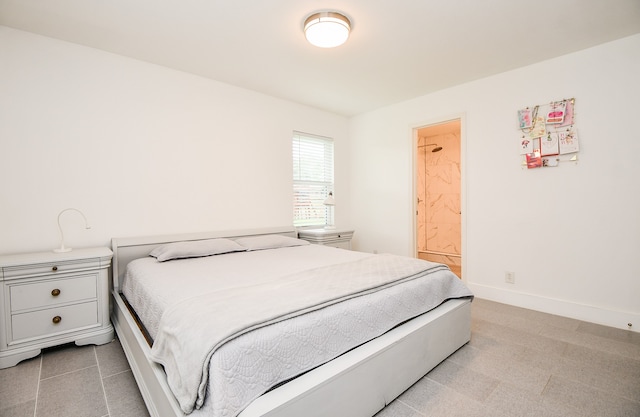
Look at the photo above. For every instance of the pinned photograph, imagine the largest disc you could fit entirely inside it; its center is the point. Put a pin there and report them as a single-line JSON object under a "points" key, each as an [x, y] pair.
{"points": [[526, 146], [568, 142], [534, 160], [549, 144], [525, 118], [557, 111]]}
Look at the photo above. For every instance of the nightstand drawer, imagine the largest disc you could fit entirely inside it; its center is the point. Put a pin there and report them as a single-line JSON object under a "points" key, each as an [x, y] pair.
{"points": [[52, 292], [327, 237], [341, 245], [54, 320], [50, 268]]}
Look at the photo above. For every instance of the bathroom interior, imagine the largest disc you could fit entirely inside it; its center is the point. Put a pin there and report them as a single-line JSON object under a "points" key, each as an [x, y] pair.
{"points": [[438, 192]]}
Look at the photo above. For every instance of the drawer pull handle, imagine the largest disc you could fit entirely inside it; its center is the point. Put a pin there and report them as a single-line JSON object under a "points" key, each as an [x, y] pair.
{"points": [[55, 268], [55, 292], [56, 319]]}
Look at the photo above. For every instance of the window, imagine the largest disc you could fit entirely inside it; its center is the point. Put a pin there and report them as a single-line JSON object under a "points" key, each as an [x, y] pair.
{"points": [[312, 180]]}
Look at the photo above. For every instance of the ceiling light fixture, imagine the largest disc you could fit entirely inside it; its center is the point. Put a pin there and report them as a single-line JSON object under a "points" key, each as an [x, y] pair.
{"points": [[327, 29]]}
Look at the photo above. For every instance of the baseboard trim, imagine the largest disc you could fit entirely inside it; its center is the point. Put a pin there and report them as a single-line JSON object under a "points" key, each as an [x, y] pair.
{"points": [[565, 308]]}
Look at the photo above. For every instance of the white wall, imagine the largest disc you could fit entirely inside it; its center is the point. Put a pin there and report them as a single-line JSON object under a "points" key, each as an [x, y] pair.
{"points": [[571, 234], [142, 149], [139, 148]]}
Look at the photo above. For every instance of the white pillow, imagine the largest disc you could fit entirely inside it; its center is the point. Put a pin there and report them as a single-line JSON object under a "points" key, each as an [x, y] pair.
{"points": [[194, 249], [269, 242]]}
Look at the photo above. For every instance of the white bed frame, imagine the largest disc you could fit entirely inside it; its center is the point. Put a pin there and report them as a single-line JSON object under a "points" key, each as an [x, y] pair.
{"points": [[357, 384]]}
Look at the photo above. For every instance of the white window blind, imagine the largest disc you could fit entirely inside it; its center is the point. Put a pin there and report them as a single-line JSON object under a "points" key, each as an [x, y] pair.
{"points": [[312, 179]]}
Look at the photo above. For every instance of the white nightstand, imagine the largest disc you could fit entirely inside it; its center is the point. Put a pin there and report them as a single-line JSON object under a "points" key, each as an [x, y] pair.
{"points": [[329, 237], [48, 298]]}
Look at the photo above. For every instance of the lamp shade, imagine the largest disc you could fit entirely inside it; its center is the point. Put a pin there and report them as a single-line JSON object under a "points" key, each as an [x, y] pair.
{"points": [[327, 29]]}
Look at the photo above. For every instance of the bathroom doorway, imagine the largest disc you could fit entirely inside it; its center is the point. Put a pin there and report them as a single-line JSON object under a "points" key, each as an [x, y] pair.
{"points": [[438, 191]]}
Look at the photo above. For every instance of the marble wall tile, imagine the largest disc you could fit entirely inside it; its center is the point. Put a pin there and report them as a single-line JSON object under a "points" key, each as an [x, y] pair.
{"points": [[439, 203], [441, 181], [422, 203]]}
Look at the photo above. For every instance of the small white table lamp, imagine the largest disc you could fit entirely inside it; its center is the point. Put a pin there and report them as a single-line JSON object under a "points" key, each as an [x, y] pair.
{"points": [[62, 248], [330, 201]]}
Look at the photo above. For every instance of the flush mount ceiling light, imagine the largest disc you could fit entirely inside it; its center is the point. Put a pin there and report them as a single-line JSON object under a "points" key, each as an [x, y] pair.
{"points": [[327, 29]]}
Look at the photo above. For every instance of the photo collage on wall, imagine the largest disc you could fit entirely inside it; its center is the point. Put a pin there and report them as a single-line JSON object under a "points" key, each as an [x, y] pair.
{"points": [[548, 134]]}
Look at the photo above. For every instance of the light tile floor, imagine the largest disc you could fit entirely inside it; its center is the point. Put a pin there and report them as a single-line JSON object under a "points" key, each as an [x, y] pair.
{"points": [[526, 363], [69, 380], [519, 363]]}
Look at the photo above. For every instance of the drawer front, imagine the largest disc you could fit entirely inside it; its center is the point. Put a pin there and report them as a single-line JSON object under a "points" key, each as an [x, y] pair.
{"points": [[341, 245], [50, 268], [45, 322], [42, 294]]}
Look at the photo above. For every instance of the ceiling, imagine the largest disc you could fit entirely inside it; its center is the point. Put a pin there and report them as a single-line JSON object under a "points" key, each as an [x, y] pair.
{"points": [[398, 50]]}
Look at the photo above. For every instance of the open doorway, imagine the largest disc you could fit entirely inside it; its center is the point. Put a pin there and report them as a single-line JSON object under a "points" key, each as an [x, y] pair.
{"points": [[438, 192]]}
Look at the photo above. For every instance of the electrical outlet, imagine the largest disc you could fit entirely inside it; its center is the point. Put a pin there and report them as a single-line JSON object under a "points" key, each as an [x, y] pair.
{"points": [[510, 277]]}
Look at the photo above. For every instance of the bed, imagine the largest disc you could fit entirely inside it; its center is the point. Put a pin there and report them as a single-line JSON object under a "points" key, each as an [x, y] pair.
{"points": [[344, 332]]}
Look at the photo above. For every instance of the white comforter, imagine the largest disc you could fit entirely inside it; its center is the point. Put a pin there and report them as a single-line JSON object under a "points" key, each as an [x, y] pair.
{"points": [[204, 343]]}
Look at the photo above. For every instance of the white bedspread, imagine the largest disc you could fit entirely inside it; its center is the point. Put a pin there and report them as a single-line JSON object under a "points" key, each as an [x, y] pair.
{"points": [[260, 293]]}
